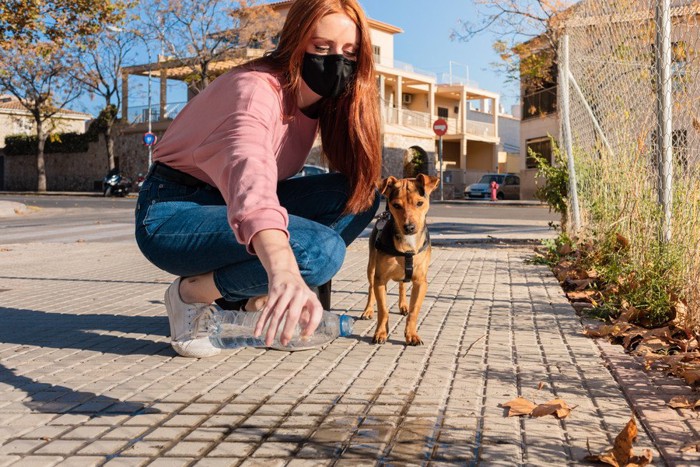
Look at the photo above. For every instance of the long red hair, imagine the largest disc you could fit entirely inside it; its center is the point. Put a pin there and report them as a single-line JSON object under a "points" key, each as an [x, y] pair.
{"points": [[350, 125]]}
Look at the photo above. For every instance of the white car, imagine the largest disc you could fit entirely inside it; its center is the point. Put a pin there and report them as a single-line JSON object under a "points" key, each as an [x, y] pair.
{"points": [[508, 187]]}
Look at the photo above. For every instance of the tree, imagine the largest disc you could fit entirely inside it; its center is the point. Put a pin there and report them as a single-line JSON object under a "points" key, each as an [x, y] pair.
{"points": [[198, 33], [528, 31], [38, 44], [100, 73]]}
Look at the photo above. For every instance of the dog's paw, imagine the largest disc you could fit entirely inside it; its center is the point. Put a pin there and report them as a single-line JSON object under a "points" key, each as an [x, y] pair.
{"points": [[379, 338], [368, 314], [413, 339], [403, 309]]}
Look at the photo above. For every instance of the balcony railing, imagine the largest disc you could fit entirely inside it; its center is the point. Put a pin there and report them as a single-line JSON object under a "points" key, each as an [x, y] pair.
{"points": [[139, 114], [424, 120]]}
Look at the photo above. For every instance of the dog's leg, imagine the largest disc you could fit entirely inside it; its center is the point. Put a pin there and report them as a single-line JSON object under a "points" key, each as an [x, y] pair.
{"points": [[382, 331], [371, 267], [403, 303], [420, 287]]}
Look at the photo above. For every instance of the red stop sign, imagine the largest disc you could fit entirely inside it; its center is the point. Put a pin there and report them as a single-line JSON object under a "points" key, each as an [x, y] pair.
{"points": [[440, 126]]}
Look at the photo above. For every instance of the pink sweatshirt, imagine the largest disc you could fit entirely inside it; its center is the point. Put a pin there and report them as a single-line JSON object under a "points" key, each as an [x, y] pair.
{"points": [[235, 136]]}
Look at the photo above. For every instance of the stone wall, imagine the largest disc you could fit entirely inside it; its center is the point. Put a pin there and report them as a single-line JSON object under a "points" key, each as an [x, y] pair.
{"points": [[395, 149], [64, 171]]}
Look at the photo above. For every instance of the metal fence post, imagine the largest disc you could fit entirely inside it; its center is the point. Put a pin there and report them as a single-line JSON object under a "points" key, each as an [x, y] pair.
{"points": [[564, 74], [665, 122]]}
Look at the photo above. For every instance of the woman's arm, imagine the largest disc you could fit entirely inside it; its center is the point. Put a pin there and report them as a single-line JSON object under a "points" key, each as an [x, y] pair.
{"points": [[289, 298]]}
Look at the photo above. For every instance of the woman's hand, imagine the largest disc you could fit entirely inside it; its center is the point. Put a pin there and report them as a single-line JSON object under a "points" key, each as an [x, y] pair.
{"points": [[289, 300]]}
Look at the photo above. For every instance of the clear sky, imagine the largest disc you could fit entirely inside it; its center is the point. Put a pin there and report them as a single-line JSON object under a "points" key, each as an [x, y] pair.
{"points": [[425, 44]]}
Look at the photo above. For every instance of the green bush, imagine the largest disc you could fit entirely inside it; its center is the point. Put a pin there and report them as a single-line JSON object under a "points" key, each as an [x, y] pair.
{"points": [[555, 190]]}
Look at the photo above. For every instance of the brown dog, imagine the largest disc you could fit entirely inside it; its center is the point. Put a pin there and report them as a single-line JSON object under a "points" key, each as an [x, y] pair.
{"points": [[399, 249]]}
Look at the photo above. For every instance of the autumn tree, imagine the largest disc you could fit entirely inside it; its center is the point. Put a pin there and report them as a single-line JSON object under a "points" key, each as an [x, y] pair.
{"points": [[528, 34], [199, 33], [99, 73], [38, 40]]}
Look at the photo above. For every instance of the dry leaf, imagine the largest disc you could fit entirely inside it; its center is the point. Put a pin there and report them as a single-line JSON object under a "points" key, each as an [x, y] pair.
{"points": [[680, 402], [691, 376], [564, 249], [519, 406], [622, 454], [587, 296], [621, 242], [693, 446], [540, 386], [605, 330], [554, 407]]}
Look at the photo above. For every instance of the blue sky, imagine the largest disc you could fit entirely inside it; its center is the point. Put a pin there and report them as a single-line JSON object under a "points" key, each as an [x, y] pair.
{"points": [[425, 44]]}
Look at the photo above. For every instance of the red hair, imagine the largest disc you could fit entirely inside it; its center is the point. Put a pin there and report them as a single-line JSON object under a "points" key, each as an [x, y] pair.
{"points": [[350, 125]]}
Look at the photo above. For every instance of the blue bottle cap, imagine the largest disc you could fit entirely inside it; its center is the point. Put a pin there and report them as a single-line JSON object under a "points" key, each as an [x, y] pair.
{"points": [[345, 325]]}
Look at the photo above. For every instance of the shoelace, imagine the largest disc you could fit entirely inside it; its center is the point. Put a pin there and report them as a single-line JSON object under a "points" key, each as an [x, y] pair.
{"points": [[201, 321]]}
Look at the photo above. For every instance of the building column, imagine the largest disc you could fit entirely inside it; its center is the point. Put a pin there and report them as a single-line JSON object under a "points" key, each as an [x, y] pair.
{"points": [[496, 111], [398, 101], [163, 93], [382, 97], [125, 97], [463, 110], [463, 152], [431, 102]]}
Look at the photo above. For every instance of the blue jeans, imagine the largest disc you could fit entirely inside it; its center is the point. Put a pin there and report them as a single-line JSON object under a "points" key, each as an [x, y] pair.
{"points": [[184, 230]]}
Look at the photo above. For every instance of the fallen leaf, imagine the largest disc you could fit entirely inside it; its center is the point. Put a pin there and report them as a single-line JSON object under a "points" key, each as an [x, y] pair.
{"points": [[622, 454], [564, 249], [621, 242], [680, 402], [691, 376], [554, 407], [581, 296], [519, 406], [693, 446], [540, 386]]}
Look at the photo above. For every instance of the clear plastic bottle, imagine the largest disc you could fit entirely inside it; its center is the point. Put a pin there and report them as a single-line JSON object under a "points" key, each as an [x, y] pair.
{"points": [[230, 329]]}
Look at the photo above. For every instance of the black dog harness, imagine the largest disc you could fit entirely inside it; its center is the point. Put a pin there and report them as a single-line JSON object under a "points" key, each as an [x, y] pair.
{"points": [[384, 233]]}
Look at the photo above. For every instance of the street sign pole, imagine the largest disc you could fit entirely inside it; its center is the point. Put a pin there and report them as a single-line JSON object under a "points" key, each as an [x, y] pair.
{"points": [[440, 128], [441, 177]]}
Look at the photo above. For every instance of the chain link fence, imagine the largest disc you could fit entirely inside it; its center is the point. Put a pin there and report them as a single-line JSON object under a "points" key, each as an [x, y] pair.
{"points": [[629, 74]]}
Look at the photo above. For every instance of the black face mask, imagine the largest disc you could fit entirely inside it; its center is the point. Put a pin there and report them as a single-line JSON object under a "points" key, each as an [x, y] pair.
{"points": [[327, 75]]}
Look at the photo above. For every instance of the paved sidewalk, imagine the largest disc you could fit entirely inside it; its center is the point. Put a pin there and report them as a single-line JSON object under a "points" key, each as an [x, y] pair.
{"points": [[87, 376]]}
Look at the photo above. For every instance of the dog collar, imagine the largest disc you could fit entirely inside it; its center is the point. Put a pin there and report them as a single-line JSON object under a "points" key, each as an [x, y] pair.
{"points": [[384, 233]]}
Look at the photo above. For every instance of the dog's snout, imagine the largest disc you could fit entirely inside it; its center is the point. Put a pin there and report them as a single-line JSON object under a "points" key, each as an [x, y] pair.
{"points": [[409, 228]]}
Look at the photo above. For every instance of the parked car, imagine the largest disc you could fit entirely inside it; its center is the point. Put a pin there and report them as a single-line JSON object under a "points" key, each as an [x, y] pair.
{"points": [[508, 187], [310, 169]]}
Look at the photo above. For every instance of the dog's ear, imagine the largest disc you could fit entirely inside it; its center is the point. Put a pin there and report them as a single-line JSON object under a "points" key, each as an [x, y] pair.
{"points": [[387, 183], [428, 183]]}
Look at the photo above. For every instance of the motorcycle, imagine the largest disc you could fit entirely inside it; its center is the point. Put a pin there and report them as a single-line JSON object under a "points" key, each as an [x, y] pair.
{"points": [[114, 184]]}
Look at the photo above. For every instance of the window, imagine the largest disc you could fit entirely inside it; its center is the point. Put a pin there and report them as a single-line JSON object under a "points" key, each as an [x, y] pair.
{"points": [[377, 54], [443, 112], [540, 146]]}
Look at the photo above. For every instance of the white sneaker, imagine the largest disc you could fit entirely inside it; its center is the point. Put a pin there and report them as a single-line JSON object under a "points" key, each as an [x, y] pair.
{"points": [[188, 325]]}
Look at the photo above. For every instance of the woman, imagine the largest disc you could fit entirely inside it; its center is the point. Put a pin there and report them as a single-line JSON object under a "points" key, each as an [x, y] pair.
{"points": [[218, 208]]}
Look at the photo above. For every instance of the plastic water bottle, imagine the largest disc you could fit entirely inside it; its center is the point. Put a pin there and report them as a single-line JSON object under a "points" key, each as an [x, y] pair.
{"points": [[230, 329]]}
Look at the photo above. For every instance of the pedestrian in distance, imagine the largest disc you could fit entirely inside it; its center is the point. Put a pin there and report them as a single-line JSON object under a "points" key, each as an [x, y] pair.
{"points": [[219, 208]]}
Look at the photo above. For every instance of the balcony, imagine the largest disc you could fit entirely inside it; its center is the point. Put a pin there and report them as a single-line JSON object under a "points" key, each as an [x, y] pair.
{"points": [[423, 120], [139, 114]]}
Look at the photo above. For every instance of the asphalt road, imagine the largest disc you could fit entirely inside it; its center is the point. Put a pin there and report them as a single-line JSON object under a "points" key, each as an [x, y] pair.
{"points": [[67, 219], [471, 210]]}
